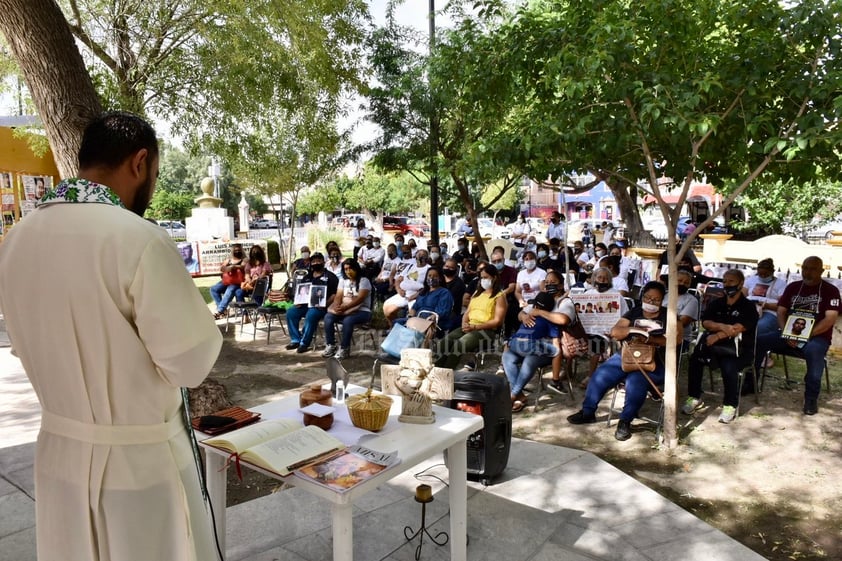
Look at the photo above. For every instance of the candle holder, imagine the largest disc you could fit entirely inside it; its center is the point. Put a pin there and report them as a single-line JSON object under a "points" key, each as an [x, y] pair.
{"points": [[424, 495]]}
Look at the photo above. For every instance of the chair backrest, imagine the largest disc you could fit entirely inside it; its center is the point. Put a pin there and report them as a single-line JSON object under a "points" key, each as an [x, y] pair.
{"points": [[261, 287]]}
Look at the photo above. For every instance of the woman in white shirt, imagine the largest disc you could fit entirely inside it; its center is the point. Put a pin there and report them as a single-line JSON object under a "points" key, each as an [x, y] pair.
{"points": [[765, 289], [530, 279]]}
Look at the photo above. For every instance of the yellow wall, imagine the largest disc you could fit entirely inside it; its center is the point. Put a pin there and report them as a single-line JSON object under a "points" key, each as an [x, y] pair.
{"points": [[16, 157]]}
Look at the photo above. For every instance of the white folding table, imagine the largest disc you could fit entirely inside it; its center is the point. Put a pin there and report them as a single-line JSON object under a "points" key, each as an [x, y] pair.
{"points": [[413, 443]]}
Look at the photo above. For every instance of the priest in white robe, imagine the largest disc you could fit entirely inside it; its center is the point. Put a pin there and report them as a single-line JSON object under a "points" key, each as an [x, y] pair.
{"points": [[109, 325]]}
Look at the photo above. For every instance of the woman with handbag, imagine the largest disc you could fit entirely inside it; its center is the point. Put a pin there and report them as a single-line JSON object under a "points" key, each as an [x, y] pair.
{"points": [[730, 325], [642, 327], [351, 306], [434, 297], [256, 267], [233, 275]]}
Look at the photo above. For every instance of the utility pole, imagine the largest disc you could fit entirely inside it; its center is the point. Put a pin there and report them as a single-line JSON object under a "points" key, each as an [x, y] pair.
{"points": [[433, 140]]}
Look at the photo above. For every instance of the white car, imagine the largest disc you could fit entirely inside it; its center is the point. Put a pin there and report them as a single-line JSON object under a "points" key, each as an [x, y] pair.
{"points": [[488, 230], [174, 228], [538, 228], [823, 232]]}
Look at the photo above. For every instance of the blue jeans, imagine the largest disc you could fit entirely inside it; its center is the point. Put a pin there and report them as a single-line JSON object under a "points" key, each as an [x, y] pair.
{"points": [[813, 353], [608, 375], [730, 369], [348, 322], [523, 358], [768, 323], [312, 317], [223, 294]]}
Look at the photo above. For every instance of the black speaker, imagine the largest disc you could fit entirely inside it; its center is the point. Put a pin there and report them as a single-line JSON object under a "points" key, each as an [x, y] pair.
{"points": [[487, 395]]}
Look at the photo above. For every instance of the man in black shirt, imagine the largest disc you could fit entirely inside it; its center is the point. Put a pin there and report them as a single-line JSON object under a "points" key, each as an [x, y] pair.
{"points": [[319, 279]]}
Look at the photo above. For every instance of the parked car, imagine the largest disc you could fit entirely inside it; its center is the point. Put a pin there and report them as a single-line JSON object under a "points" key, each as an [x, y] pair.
{"points": [[575, 227], [824, 231], [395, 225], [174, 228], [418, 227], [488, 230]]}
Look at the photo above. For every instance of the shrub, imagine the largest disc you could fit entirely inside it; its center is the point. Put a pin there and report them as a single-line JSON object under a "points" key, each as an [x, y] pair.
{"points": [[273, 252], [317, 238]]}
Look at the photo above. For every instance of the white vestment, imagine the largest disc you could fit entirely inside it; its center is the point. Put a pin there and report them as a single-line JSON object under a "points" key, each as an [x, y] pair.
{"points": [[108, 325]]}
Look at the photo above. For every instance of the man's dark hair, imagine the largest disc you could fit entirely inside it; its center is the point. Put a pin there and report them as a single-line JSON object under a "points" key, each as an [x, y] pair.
{"points": [[114, 136]]}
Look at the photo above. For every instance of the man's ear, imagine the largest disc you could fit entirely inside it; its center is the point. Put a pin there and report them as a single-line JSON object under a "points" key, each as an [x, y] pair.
{"points": [[138, 162]]}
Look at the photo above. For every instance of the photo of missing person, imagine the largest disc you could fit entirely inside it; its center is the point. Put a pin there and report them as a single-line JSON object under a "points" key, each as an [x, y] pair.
{"points": [[34, 187], [187, 251], [318, 296], [798, 327], [302, 294]]}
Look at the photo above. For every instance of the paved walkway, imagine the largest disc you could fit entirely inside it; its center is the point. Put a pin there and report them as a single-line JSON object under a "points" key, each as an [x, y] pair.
{"points": [[551, 503]]}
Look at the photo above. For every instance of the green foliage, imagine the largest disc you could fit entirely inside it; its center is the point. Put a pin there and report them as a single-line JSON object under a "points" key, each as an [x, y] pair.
{"points": [[167, 205], [317, 238], [374, 191], [273, 252], [774, 206]]}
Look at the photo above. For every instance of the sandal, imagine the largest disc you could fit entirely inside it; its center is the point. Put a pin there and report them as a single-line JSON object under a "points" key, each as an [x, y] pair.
{"points": [[219, 315], [518, 406]]}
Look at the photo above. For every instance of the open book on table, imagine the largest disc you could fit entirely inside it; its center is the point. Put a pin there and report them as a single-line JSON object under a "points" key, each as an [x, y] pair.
{"points": [[347, 468], [281, 445]]}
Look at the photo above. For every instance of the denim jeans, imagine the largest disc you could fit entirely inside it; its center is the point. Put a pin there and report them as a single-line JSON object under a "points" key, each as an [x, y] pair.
{"points": [[223, 294], [608, 375], [728, 367], [312, 317], [813, 353], [348, 322], [523, 358], [768, 323]]}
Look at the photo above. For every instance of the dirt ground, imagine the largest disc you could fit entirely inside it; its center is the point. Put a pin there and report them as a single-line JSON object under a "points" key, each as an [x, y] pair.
{"points": [[770, 479]]}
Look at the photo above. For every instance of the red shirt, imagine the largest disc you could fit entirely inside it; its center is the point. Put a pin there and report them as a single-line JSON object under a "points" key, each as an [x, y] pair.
{"points": [[817, 299]]}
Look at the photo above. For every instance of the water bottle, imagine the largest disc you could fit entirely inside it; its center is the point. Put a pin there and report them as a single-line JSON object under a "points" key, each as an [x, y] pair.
{"points": [[340, 392]]}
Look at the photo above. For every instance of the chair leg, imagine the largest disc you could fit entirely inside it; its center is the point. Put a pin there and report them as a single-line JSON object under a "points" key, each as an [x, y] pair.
{"points": [[827, 375], [611, 407], [227, 318]]}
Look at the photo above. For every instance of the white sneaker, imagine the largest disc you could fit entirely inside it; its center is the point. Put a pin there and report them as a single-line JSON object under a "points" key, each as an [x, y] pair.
{"points": [[691, 404], [330, 350], [342, 353], [729, 413], [500, 371]]}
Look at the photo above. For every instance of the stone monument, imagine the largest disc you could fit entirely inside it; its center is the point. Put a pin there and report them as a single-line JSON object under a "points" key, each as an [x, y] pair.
{"points": [[209, 222]]}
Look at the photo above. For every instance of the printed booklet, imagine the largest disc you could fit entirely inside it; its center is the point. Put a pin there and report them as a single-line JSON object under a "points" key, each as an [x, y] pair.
{"points": [[347, 468]]}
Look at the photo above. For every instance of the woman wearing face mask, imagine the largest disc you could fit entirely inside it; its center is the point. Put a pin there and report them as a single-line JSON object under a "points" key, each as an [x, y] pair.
{"points": [[545, 262], [610, 373], [383, 284], [765, 289], [600, 251], [434, 297], [730, 321], [530, 279], [256, 267], [485, 315], [334, 262], [408, 283], [222, 293]]}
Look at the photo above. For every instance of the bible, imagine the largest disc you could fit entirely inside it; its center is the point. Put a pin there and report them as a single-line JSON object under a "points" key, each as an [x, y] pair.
{"points": [[280, 445], [347, 468]]}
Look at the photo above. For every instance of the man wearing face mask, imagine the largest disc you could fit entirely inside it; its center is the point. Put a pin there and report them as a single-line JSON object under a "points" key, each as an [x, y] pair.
{"points": [[371, 257], [315, 311], [384, 283], [399, 242], [508, 283], [456, 287], [408, 283], [222, 293], [434, 254], [530, 279], [556, 229], [304, 261], [334, 263], [461, 252], [729, 322]]}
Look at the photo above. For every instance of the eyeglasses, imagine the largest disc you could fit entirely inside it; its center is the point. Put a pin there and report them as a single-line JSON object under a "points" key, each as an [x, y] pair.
{"points": [[652, 301]]}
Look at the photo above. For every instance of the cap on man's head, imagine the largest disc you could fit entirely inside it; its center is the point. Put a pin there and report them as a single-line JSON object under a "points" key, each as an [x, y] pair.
{"points": [[544, 301], [766, 264]]}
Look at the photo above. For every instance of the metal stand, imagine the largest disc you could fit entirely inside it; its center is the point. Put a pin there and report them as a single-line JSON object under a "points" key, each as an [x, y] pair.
{"points": [[423, 496]]}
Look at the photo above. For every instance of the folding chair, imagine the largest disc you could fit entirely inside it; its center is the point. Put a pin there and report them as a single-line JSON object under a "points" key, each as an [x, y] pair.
{"points": [[258, 293], [796, 354], [651, 395], [741, 375]]}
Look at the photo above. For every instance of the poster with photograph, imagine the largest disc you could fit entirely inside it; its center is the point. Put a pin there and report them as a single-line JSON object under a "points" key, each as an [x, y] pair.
{"points": [[597, 312], [318, 296], [189, 251], [798, 327], [302, 294], [212, 255], [7, 193], [34, 186]]}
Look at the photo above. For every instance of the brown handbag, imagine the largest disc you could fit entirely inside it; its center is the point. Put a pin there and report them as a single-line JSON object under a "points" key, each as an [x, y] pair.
{"points": [[638, 357]]}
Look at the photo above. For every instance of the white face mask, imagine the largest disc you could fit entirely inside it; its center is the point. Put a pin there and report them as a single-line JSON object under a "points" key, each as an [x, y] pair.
{"points": [[434, 255], [599, 253], [305, 255], [485, 283], [376, 244], [650, 308], [529, 264]]}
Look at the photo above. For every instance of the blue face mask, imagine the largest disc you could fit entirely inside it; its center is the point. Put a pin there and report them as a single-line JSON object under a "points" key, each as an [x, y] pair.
{"points": [[499, 266]]}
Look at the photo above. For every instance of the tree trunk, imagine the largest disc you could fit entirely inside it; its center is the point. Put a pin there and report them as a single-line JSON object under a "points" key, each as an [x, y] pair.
{"points": [[42, 44]]}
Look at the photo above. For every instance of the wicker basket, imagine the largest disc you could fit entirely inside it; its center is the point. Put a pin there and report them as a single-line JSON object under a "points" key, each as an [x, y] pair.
{"points": [[369, 411]]}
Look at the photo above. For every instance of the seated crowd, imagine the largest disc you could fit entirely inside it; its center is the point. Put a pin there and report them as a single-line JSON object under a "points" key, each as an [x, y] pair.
{"points": [[523, 300]]}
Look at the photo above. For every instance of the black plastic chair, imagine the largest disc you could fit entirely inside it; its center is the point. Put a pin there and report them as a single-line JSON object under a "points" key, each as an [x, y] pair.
{"points": [[248, 306]]}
